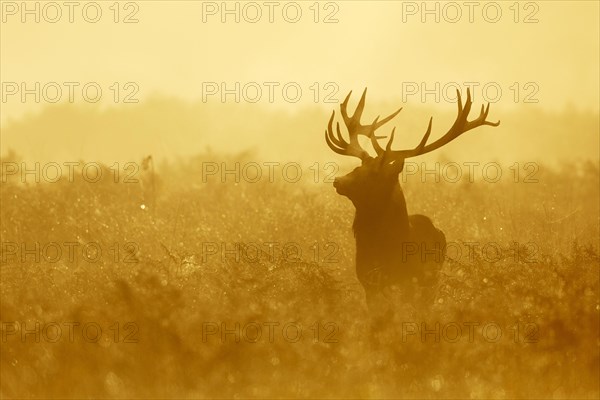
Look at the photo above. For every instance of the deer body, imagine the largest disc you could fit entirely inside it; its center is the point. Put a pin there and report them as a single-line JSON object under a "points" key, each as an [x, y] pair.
{"points": [[392, 247], [379, 236]]}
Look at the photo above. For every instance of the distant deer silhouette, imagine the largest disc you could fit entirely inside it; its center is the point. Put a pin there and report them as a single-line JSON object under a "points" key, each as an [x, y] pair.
{"points": [[393, 249]]}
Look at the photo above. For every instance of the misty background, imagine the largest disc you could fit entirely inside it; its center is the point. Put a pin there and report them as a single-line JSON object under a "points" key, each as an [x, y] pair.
{"points": [[542, 56]]}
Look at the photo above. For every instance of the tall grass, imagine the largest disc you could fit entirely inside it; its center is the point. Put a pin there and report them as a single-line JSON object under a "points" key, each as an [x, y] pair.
{"points": [[180, 255]]}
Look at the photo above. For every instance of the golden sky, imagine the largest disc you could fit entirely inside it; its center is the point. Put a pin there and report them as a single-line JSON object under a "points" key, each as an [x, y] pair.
{"points": [[385, 45], [536, 62]]}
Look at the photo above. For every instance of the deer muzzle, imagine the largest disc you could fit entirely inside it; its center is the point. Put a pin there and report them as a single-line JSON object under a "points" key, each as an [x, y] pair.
{"points": [[340, 185]]}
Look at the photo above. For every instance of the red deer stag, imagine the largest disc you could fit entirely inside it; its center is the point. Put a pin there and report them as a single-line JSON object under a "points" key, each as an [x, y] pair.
{"points": [[393, 249]]}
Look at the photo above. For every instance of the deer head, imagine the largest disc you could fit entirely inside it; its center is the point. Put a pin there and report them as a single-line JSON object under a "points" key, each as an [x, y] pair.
{"points": [[377, 176]]}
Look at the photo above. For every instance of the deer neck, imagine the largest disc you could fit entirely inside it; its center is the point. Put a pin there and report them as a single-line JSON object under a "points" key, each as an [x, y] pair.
{"points": [[380, 232], [390, 215]]}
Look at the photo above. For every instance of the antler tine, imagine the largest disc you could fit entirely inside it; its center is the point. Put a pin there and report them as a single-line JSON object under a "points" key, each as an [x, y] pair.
{"points": [[375, 125], [386, 119], [343, 107], [339, 141], [343, 149], [401, 154], [421, 145], [481, 120], [378, 149], [355, 118], [340, 137], [332, 146], [460, 126], [389, 143], [463, 111], [339, 145], [352, 146], [360, 107]]}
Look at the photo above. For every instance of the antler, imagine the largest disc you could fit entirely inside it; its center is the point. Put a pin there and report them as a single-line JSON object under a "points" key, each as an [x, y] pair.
{"points": [[352, 148], [460, 126]]}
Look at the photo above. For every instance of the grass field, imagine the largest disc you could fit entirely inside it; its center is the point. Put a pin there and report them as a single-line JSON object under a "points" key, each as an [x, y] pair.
{"points": [[247, 290]]}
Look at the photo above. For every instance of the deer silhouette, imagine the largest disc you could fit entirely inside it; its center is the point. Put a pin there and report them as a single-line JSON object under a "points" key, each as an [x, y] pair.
{"points": [[393, 249]]}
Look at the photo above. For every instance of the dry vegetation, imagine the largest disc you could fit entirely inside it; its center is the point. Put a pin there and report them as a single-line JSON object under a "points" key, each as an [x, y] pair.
{"points": [[173, 288]]}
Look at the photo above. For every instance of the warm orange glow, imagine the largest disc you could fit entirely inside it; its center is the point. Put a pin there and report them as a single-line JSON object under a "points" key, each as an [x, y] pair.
{"points": [[170, 227]]}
